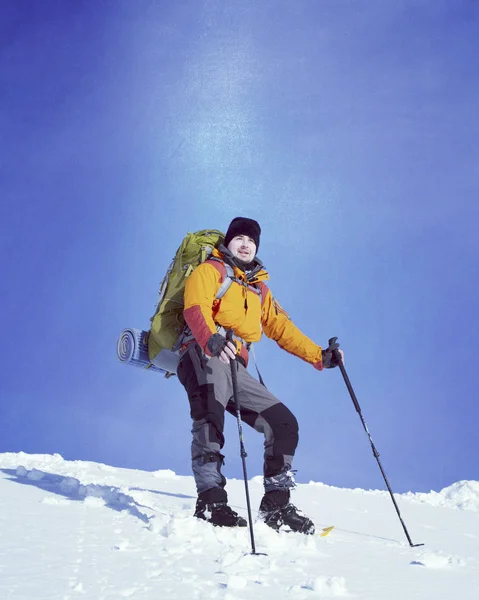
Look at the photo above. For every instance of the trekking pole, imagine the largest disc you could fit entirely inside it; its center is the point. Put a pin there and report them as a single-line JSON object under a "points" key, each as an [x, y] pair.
{"points": [[234, 377], [337, 355]]}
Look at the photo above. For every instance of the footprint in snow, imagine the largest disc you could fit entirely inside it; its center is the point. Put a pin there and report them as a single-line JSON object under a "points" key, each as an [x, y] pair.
{"points": [[122, 546], [437, 560], [77, 587], [234, 582], [325, 586]]}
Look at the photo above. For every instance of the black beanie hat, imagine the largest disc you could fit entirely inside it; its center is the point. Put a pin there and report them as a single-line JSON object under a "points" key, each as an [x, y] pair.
{"points": [[243, 226]]}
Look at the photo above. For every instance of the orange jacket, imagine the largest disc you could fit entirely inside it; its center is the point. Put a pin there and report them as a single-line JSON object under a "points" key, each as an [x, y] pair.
{"points": [[242, 309]]}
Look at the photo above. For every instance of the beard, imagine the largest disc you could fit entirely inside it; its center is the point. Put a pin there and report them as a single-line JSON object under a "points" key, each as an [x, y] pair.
{"points": [[244, 265]]}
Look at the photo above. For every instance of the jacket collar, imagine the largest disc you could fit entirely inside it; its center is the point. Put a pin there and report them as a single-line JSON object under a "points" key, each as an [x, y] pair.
{"points": [[255, 275]]}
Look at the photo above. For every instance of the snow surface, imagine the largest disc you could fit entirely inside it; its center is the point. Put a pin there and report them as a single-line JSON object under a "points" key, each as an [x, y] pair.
{"points": [[73, 529]]}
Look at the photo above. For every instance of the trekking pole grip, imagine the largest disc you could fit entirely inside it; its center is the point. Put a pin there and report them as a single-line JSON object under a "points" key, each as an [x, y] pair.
{"points": [[333, 348], [331, 343]]}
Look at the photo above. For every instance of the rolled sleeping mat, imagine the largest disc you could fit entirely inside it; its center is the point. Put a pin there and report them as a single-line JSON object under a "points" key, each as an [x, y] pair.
{"points": [[132, 348]]}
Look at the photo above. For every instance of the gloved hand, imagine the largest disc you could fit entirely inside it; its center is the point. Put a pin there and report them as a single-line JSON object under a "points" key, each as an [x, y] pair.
{"points": [[219, 346], [330, 356]]}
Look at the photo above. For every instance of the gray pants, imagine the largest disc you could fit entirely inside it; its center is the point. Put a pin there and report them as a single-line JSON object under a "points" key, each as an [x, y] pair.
{"points": [[209, 386]]}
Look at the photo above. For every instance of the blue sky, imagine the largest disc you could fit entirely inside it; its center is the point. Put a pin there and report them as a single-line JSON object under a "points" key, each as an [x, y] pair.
{"points": [[349, 130]]}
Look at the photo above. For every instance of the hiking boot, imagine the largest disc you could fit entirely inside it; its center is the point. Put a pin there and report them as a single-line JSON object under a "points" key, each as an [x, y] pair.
{"points": [[218, 513], [278, 513]]}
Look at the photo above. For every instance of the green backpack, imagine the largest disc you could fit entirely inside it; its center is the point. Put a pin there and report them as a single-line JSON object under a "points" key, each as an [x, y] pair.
{"points": [[168, 323]]}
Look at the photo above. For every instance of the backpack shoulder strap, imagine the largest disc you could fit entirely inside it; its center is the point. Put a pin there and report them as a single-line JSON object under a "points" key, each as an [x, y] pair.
{"points": [[228, 280], [230, 277]]}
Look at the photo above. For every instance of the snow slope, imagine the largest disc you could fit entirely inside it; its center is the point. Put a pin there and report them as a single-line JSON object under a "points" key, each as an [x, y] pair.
{"points": [[72, 529]]}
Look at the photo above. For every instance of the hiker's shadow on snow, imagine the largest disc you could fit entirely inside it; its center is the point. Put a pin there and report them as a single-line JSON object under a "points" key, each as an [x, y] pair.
{"points": [[73, 489]]}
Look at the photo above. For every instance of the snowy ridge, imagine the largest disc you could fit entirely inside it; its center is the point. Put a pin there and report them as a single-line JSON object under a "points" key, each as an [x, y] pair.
{"points": [[462, 495], [83, 529]]}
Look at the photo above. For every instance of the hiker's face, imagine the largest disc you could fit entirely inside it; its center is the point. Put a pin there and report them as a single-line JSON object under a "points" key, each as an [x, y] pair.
{"points": [[242, 247]]}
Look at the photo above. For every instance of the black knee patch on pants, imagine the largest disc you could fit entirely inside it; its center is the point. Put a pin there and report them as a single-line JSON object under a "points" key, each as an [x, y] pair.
{"points": [[203, 404], [285, 434]]}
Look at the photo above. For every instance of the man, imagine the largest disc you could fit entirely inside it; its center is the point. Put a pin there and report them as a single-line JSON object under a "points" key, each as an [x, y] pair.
{"points": [[248, 308]]}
